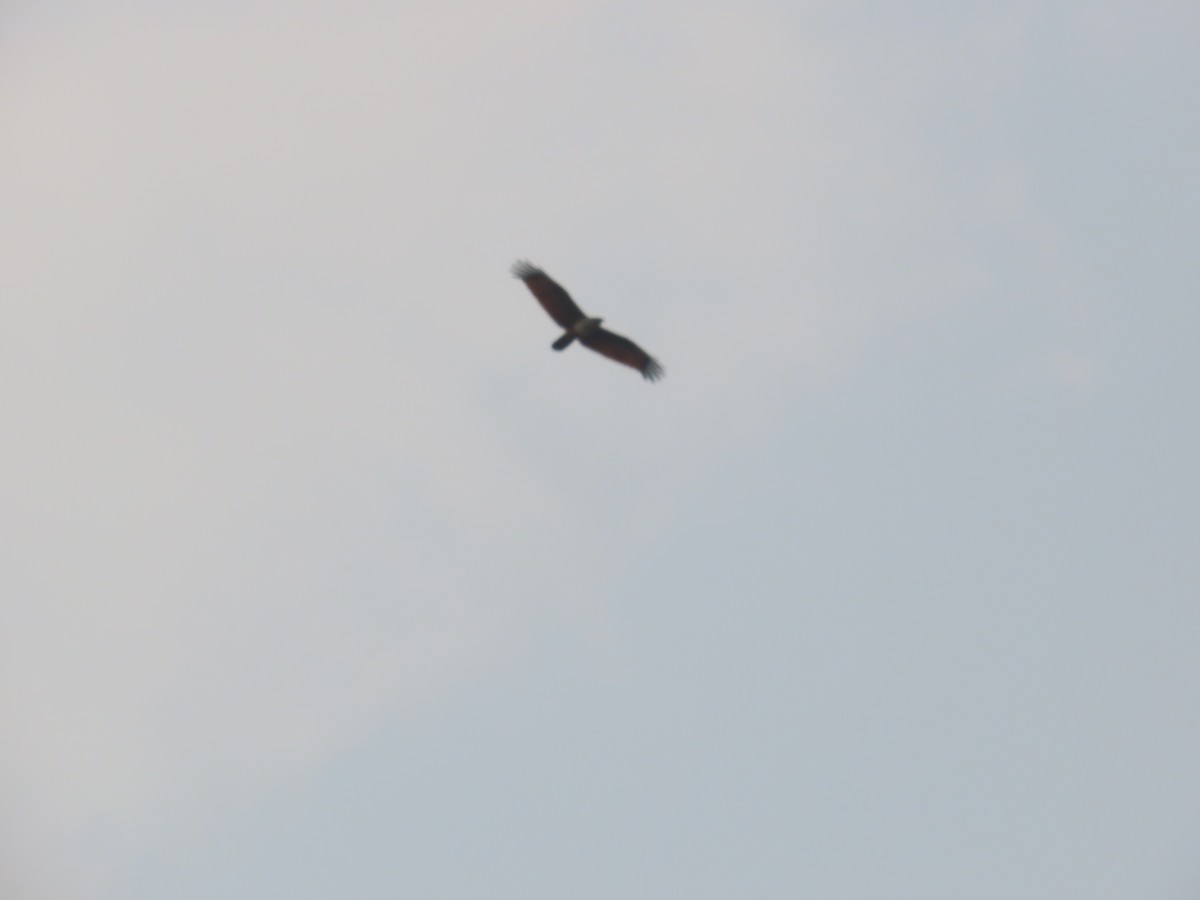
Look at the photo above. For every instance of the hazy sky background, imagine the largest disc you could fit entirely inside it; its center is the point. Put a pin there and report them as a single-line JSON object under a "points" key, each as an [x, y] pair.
{"points": [[322, 576]]}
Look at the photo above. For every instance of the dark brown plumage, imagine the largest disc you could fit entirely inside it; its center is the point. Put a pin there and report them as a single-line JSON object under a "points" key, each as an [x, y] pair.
{"points": [[567, 314]]}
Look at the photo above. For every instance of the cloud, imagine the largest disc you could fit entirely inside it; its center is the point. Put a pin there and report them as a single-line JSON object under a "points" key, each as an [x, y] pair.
{"points": [[1065, 370]]}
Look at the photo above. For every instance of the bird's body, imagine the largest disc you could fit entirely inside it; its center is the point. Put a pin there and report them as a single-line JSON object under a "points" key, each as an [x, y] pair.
{"points": [[587, 330], [585, 327]]}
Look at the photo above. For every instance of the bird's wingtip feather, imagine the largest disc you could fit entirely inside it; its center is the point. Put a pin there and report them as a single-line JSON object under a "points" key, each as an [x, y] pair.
{"points": [[523, 269], [653, 371]]}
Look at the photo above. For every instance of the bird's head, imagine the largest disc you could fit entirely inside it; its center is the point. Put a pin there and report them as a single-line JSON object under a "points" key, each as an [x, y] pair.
{"points": [[586, 326]]}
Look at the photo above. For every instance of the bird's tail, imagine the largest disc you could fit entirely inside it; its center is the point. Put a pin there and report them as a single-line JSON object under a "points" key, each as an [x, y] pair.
{"points": [[563, 342]]}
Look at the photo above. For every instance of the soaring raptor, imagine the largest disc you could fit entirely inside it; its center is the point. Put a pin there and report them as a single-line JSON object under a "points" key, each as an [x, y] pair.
{"points": [[563, 310]]}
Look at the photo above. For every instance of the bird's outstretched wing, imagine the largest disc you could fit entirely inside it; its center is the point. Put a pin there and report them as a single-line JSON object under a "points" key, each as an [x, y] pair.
{"points": [[554, 299], [625, 351]]}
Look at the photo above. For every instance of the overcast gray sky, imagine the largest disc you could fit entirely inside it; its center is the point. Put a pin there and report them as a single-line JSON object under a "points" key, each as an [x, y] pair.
{"points": [[321, 575]]}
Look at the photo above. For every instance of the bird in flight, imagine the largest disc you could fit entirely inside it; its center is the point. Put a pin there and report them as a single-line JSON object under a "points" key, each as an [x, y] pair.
{"points": [[563, 310]]}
